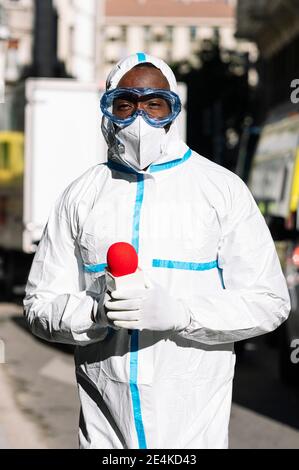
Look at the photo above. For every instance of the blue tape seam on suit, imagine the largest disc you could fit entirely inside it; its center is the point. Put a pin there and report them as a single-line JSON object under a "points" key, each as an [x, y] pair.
{"points": [[95, 268], [135, 333], [153, 168], [169, 264], [171, 164], [159, 263], [141, 57]]}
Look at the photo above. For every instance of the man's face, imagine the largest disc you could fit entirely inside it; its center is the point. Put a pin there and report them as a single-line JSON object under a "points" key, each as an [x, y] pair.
{"points": [[142, 77]]}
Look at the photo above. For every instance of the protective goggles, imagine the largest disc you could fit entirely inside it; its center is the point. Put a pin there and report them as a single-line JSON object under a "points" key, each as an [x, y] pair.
{"points": [[158, 107]]}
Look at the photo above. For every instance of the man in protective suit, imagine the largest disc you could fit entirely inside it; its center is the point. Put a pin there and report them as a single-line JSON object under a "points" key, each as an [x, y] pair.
{"points": [[211, 269]]}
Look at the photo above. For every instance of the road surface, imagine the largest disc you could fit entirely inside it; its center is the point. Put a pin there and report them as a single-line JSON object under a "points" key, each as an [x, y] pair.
{"points": [[39, 405]]}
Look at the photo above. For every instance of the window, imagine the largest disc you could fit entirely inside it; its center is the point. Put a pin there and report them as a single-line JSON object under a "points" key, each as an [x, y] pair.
{"points": [[193, 31], [169, 33]]}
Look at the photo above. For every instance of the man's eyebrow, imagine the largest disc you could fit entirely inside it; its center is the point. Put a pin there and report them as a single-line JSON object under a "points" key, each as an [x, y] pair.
{"points": [[151, 96], [131, 95], [126, 96]]}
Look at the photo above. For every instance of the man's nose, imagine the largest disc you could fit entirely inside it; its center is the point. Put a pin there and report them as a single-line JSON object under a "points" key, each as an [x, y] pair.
{"points": [[140, 105]]}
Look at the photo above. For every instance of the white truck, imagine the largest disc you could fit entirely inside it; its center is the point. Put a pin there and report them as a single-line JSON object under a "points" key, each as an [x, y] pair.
{"points": [[51, 135]]}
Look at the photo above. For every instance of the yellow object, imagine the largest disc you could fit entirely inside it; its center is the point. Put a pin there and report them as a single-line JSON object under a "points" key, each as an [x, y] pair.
{"points": [[11, 156], [262, 207], [294, 199]]}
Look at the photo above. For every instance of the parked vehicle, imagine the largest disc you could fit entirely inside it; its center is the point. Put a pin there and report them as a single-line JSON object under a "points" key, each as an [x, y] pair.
{"points": [[274, 182], [53, 135]]}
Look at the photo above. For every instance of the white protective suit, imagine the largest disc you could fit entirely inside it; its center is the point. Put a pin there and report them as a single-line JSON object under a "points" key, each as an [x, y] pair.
{"points": [[200, 235]]}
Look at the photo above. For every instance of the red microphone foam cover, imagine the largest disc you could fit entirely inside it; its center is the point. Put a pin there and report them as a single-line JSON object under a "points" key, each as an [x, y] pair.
{"points": [[122, 259]]}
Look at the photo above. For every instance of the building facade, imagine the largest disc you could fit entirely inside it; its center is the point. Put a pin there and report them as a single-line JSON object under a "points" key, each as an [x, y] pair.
{"points": [[77, 26], [173, 30], [76, 36], [16, 28], [92, 35]]}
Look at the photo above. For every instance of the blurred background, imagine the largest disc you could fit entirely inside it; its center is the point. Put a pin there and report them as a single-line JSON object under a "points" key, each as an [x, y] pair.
{"points": [[238, 70]]}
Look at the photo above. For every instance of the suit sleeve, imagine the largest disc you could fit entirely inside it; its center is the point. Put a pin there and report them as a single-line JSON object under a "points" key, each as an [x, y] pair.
{"points": [[56, 305], [254, 299]]}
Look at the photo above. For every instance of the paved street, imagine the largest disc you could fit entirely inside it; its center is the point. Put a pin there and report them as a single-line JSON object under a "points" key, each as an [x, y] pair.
{"points": [[39, 404], [265, 412], [40, 377]]}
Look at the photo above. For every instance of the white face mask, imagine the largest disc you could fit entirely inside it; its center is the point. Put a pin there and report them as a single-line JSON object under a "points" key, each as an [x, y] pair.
{"points": [[143, 143]]}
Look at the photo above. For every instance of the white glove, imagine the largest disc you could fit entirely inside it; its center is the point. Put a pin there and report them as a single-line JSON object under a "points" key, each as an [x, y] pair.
{"points": [[99, 312], [147, 309]]}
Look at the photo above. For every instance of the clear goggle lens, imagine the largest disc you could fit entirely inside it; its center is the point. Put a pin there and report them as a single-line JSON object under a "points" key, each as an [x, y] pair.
{"points": [[158, 107]]}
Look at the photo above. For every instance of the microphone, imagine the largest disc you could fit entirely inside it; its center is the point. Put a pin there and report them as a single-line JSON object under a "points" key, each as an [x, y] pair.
{"points": [[122, 270]]}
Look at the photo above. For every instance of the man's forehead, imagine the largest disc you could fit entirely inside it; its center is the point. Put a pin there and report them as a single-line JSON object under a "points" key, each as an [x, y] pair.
{"points": [[144, 77]]}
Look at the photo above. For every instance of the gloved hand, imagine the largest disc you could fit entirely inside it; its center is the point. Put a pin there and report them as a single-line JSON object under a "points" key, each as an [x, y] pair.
{"points": [[99, 312], [151, 308]]}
